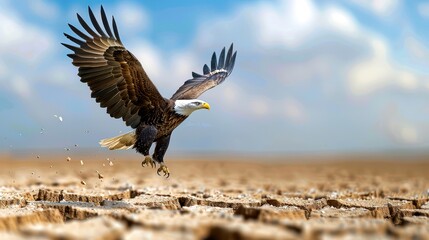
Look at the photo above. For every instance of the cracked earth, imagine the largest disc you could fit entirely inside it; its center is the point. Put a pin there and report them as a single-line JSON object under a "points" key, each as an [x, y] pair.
{"points": [[87, 197]]}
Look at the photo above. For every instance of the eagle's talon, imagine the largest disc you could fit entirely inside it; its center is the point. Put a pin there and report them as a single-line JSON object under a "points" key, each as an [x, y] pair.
{"points": [[148, 160], [163, 168]]}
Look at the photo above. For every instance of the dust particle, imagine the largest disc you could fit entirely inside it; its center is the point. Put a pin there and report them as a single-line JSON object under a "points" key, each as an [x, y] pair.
{"points": [[83, 182], [68, 159], [81, 162], [100, 176], [59, 117], [110, 163]]}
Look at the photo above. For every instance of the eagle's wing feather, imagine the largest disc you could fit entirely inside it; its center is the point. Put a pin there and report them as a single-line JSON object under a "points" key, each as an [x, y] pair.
{"points": [[116, 78], [211, 77]]}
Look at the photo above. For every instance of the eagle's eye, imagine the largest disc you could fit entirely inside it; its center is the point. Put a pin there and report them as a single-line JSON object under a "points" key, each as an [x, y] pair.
{"points": [[197, 103]]}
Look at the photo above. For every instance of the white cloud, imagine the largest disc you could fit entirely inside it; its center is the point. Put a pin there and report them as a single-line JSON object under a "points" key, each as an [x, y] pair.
{"points": [[378, 72], [294, 20], [340, 19], [180, 65], [417, 51], [406, 80], [3, 69], [400, 129], [408, 134], [276, 35], [260, 106], [426, 85], [149, 57], [44, 9], [21, 87], [416, 48], [268, 24], [232, 94], [23, 48], [379, 7], [423, 9], [294, 110], [131, 17], [20, 40]]}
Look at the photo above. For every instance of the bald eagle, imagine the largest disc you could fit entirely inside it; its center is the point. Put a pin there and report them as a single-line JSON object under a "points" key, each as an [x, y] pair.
{"points": [[119, 83]]}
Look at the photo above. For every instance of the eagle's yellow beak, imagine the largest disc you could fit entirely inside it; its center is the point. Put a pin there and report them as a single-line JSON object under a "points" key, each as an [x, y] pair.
{"points": [[206, 106]]}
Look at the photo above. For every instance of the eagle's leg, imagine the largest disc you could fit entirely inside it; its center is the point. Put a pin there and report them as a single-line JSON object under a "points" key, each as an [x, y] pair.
{"points": [[148, 161], [158, 155], [145, 137]]}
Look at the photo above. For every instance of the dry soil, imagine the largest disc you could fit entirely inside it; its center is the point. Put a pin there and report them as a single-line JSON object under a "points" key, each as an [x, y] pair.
{"points": [[92, 197]]}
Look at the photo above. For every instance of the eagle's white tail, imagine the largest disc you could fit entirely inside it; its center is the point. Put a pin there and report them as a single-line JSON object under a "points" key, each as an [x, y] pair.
{"points": [[124, 141]]}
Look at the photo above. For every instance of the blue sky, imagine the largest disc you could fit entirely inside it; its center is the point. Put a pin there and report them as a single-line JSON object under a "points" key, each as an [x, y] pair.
{"points": [[310, 76]]}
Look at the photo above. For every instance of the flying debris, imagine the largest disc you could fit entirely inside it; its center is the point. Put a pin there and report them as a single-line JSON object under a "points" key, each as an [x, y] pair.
{"points": [[59, 117], [68, 159], [100, 176]]}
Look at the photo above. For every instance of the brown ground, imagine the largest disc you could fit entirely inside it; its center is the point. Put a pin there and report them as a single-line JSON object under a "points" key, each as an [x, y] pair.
{"points": [[357, 198]]}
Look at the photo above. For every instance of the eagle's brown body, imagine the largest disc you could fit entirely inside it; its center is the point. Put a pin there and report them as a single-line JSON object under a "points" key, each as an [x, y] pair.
{"points": [[168, 122], [119, 83]]}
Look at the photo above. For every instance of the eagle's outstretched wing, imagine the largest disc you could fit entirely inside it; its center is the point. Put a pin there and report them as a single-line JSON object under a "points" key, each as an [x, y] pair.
{"points": [[212, 77], [116, 78]]}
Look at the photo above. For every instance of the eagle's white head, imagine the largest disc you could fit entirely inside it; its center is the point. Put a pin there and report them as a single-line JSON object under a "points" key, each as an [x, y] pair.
{"points": [[186, 106]]}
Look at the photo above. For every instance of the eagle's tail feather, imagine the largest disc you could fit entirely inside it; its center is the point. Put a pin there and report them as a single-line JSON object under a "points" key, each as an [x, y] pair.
{"points": [[124, 141]]}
